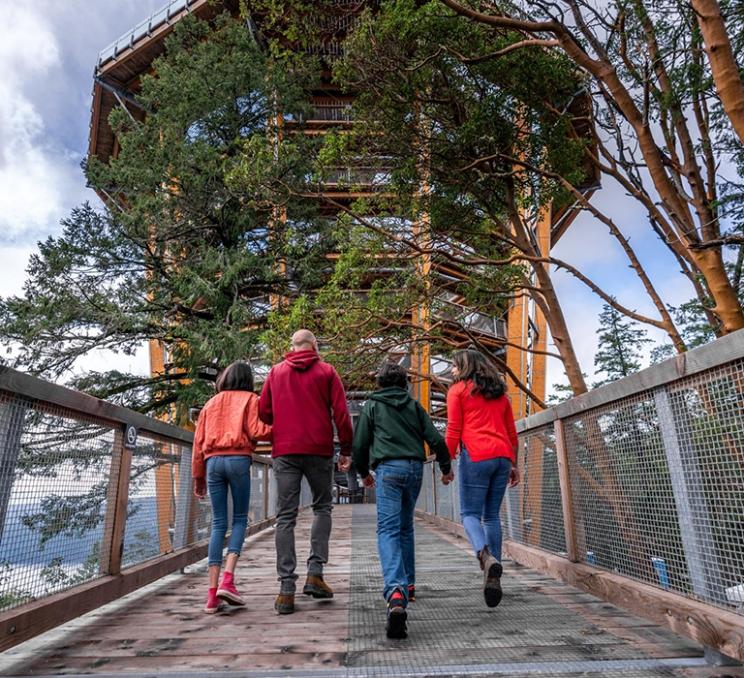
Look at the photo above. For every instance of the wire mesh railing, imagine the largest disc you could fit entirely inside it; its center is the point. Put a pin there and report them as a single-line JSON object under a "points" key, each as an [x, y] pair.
{"points": [[642, 478], [89, 490]]}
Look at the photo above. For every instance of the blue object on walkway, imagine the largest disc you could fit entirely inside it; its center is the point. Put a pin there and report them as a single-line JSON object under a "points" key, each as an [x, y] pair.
{"points": [[662, 573], [591, 559]]}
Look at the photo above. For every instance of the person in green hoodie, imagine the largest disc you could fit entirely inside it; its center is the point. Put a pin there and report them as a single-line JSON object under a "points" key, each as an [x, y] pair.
{"points": [[389, 438]]}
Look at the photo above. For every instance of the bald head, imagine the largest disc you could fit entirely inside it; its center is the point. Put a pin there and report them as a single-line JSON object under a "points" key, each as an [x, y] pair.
{"points": [[304, 340]]}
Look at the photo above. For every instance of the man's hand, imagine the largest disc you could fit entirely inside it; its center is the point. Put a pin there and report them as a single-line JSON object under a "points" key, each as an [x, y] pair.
{"points": [[514, 476], [447, 478], [369, 481], [344, 463], [200, 487]]}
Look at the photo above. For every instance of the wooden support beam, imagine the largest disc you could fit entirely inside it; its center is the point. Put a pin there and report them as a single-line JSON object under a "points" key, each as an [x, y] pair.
{"points": [[564, 476], [117, 499]]}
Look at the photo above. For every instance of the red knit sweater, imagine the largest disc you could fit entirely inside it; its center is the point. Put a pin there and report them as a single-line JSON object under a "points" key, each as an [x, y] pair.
{"points": [[485, 427]]}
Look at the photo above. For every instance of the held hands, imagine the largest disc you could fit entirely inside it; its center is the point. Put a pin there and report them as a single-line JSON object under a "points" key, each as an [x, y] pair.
{"points": [[447, 478], [344, 463], [514, 476], [369, 481], [200, 487]]}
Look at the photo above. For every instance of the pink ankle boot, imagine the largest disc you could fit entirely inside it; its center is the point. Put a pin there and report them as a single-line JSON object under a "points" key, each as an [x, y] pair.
{"points": [[227, 590], [213, 602]]}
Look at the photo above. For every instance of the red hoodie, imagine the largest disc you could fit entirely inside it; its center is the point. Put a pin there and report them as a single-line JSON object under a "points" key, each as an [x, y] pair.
{"points": [[302, 398]]}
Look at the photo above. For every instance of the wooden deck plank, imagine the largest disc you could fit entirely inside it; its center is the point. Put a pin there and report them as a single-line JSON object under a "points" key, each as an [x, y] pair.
{"points": [[163, 629]]}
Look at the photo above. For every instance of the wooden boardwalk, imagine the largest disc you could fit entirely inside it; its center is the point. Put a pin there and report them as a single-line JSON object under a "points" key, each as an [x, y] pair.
{"points": [[541, 628]]}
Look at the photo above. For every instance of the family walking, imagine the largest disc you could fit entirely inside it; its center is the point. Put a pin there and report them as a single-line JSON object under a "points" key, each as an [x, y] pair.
{"points": [[301, 403]]}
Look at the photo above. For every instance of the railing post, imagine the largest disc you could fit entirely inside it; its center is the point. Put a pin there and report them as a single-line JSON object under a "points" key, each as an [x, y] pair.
{"points": [[117, 499], [564, 478], [12, 418], [692, 512], [183, 533]]}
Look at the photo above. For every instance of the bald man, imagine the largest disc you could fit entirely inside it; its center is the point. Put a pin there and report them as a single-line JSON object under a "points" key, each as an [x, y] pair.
{"points": [[302, 399]]}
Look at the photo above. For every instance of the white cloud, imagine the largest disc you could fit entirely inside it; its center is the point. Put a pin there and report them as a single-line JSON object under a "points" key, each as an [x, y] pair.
{"points": [[39, 179], [13, 263]]}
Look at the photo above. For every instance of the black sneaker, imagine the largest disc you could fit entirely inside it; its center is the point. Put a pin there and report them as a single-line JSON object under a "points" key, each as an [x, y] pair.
{"points": [[492, 591], [396, 616], [411, 593]]}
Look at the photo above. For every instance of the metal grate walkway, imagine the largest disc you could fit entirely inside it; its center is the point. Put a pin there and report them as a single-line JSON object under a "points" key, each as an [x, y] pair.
{"points": [[542, 628]]}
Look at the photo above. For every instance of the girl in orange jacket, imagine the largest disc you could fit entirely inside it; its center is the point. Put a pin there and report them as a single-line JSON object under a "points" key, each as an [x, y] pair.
{"points": [[226, 434]]}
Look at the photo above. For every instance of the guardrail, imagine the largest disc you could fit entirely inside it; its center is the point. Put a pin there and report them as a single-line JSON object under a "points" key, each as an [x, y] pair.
{"points": [[95, 501], [635, 492]]}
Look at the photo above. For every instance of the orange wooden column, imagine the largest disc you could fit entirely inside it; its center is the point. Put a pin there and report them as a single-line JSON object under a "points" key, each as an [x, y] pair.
{"points": [[164, 496]]}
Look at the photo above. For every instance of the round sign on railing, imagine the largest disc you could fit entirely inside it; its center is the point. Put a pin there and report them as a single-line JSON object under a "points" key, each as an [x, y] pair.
{"points": [[130, 437]]}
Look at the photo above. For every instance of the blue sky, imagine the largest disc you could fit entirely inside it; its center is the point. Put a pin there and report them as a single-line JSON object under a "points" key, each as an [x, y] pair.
{"points": [[48, 50]]}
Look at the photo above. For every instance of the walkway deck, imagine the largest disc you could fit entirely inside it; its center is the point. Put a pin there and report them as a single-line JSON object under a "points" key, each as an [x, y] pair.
{"points": [[541, 628]]}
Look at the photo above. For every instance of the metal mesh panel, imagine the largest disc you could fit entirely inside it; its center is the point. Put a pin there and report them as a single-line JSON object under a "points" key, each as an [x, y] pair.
{"points": [[151, 509], [656, 480], [626, 518], [533, 513], [54, 477], [256, 509], [702, 420], [425, 501], [446, 500]]}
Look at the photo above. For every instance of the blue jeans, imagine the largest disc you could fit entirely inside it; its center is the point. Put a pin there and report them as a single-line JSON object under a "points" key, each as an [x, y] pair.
{"points": [[223, 471], [398, 484], [482, 488]]}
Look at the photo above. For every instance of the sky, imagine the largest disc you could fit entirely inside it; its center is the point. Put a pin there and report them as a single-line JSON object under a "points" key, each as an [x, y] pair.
{"points": [[48, 49]]}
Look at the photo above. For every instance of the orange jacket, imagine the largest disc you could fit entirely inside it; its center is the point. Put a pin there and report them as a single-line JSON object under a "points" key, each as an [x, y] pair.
{"points": [[228, 424]]}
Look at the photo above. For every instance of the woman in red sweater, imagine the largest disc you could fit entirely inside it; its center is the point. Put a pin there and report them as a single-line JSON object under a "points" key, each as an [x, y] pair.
{"points": [[480, 424], [225, 438]]}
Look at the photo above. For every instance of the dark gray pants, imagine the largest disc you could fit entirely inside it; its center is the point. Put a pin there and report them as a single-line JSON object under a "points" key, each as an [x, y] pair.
{"points": [[288, 472]]}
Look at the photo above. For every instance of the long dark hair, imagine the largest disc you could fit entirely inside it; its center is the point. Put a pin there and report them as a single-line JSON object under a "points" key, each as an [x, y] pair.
{"points": [[474, 367], [235, 377]]}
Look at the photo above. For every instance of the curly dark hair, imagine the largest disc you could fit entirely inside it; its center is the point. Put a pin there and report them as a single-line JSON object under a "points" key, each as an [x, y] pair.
{"points": [[473, 366]]}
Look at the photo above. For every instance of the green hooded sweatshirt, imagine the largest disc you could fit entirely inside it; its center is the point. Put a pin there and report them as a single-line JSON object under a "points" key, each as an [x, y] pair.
{"points": [[392, 425]]}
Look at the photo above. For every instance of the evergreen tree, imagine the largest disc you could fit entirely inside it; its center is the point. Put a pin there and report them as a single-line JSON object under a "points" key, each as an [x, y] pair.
{"points": [[619, 348], [186, 250]]}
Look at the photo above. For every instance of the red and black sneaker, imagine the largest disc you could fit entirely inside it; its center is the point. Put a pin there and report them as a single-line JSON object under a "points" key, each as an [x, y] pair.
{"points": [[396, 615], [411, 593]]}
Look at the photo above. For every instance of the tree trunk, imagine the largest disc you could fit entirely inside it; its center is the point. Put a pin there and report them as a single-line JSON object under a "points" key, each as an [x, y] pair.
{"points": [[723, 65], [727, 305]]}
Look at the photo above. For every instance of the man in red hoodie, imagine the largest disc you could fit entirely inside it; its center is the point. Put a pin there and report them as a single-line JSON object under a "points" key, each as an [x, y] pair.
{"points": [[302, 398]]}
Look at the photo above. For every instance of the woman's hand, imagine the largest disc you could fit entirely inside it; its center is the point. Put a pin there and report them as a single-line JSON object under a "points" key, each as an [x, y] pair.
{"points": [[200, 487], [514, 476], [447, 478], [368, 481]]}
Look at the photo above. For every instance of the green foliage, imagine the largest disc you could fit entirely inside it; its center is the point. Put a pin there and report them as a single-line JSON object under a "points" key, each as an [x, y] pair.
{"points": [[619, 347], [186, 250], [423, 118], [10, 597]]}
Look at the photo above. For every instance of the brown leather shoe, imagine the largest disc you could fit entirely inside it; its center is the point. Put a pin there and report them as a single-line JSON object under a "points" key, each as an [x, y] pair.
{"points": [[316, 587], [284, 603]]}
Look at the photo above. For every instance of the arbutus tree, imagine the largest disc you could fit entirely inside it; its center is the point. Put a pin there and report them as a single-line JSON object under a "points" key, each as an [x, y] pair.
{"points": [[664, 110]]}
